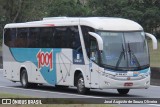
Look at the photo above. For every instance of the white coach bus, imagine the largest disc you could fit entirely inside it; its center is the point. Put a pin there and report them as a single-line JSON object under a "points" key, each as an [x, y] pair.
{"points": [[89, 53]]}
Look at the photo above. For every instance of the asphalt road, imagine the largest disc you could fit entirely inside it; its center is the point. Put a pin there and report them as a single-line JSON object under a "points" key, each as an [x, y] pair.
{"points": [[51, 92]]}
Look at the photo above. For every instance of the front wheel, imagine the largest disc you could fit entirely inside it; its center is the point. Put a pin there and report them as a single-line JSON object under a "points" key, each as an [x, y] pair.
{"points": [[81, 86], [123, 91]]}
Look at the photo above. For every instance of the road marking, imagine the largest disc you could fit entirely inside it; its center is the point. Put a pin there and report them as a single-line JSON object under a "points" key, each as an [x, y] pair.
{"points": [[158, 105], [154, 104], [51, 92], [154, 86]]}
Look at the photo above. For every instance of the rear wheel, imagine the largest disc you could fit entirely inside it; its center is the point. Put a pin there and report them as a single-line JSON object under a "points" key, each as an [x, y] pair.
{"points": [[24, 79], [81, 86], [123, 91]]}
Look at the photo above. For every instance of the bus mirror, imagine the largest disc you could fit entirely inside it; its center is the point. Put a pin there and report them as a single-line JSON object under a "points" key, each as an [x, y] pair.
{"points": [[99, 40], [154, 40]]}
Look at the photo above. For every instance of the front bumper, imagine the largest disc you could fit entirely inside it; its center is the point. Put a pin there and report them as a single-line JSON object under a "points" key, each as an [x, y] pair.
{"points": [[108, 83]]}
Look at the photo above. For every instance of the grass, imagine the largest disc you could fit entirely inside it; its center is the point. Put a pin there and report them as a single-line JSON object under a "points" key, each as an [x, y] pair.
{"points": [[154, 55], [6, 95]]}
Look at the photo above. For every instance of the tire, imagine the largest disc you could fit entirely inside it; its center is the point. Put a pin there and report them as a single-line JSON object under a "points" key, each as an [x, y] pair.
{"points": [[123, 91], [81, 86], [24, 79]]}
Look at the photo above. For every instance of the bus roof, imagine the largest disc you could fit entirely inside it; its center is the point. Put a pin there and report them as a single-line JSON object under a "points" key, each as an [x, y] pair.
{"points": [[100, 23]]}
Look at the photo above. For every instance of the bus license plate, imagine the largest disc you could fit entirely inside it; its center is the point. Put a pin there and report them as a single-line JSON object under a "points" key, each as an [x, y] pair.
{"points": [[130, 74], [128, 84]]}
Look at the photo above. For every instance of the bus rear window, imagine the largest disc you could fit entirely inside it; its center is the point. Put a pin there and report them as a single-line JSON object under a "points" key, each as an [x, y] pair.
{"points": [[9, 37]]}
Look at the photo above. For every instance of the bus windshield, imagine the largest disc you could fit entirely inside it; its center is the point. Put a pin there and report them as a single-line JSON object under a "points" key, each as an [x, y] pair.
{"points": [[124, 50]]}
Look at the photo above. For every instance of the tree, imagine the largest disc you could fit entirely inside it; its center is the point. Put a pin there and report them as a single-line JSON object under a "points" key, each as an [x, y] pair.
{"points": [[13, 11], [145, 12], [67, 8], [109, 8]]}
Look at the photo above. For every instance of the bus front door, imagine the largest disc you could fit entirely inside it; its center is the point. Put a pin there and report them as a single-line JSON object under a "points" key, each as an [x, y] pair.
{"points": [[94, 68]]}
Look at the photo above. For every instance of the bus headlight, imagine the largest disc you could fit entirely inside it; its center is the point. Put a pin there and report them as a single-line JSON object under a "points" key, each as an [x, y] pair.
{"points": [[107, 75], [144, 75]]}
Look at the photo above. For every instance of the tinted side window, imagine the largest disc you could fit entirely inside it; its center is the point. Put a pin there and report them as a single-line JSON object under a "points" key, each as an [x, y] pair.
{"points": [[67, 37], [60, 35], [34, 38], [22, 35], [76, 43], [54, 37], [45, 37]]}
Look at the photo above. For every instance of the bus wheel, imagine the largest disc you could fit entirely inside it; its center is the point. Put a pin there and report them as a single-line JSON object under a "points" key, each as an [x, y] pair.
{"points": [[123, 91], [81, 86], [24, 79]]}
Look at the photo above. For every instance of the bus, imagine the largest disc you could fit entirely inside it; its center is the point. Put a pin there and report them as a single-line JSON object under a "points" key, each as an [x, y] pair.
{"points": [[83, 52]]}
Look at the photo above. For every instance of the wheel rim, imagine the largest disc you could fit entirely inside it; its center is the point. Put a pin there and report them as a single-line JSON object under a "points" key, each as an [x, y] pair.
{"points": [[80, 84], [24, 79]]}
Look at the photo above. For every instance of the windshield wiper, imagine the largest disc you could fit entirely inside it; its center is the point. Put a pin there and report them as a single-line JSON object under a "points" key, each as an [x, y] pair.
{"points": [[131, 53], [123, 53]]}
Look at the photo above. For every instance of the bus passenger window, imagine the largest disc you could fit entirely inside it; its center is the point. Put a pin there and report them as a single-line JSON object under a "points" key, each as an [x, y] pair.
{"points": [[22, 35], [76, 43], [33, 39]]}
